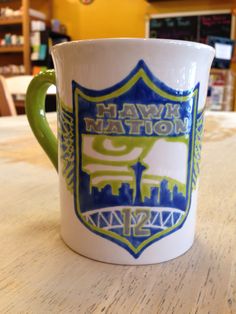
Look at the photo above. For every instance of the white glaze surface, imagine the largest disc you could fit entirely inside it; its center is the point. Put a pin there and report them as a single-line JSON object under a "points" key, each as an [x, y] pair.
{"points": [[101, 64]]}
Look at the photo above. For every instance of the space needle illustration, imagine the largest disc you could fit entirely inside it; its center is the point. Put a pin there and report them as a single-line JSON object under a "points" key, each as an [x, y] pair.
{"points": [[138, 172]]}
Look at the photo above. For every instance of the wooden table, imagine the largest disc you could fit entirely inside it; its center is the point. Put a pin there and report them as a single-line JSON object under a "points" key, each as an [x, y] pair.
{"points": [[40, 274]]}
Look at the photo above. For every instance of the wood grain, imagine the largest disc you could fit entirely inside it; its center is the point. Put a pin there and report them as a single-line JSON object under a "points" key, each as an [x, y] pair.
{"points": [[39, 274]]}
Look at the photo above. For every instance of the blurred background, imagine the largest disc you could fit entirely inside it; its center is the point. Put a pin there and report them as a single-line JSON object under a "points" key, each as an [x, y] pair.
{"points": [[29, 28]]}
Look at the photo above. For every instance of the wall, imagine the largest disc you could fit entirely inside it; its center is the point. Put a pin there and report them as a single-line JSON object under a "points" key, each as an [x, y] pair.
{"points": [[122, 18]]}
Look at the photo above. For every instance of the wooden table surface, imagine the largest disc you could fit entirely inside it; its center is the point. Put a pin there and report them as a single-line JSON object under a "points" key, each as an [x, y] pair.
{"points": [[40, 274]]}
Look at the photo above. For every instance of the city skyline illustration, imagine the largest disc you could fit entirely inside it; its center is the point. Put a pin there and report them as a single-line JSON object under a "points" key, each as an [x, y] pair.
{"points": [[93, 197]]}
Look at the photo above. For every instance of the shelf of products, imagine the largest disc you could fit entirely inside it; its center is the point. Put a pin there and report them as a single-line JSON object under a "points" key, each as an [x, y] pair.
{"points": [[41, 43], [26, 36], [221, 95], [12, 69], [15, 19]]}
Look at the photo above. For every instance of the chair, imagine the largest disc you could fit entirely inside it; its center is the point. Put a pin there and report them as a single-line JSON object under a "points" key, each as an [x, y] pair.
{"points": [[7, 106], [18, 84]]}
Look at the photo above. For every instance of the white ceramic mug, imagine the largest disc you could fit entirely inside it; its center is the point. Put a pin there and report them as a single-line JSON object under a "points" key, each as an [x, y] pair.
{"points": [[130, 122]]}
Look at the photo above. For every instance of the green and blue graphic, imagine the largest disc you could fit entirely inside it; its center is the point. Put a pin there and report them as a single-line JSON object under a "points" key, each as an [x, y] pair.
{"points": [[131, 162]]}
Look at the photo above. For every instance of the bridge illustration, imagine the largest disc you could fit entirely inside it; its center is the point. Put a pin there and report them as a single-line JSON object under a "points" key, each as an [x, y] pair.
{"points": [[112, 218]]}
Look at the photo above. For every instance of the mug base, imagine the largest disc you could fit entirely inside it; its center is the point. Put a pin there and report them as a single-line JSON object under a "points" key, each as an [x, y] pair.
{"points": [[118, 260]]}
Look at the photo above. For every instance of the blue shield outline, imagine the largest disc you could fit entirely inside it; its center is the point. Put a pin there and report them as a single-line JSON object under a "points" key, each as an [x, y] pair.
{"points": [[83, 100]]}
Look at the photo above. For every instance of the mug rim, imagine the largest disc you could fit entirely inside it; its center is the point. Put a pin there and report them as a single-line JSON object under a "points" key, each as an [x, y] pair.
{"points": [[154, 41]]}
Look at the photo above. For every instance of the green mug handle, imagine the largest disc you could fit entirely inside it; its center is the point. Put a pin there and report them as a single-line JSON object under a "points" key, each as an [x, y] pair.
{"points": [[35, 111]]}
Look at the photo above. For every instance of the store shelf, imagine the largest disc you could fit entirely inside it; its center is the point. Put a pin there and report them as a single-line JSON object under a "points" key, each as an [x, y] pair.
{"points": [[11, 49], [11, 20], [21, 25]]}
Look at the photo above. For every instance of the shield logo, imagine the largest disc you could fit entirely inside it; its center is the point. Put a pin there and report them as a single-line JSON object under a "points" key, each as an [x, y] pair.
{"points": [[134, 163]]}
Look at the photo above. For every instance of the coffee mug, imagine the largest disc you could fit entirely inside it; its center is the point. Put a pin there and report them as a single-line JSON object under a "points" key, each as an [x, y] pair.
{"points": [[130, 123]]}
